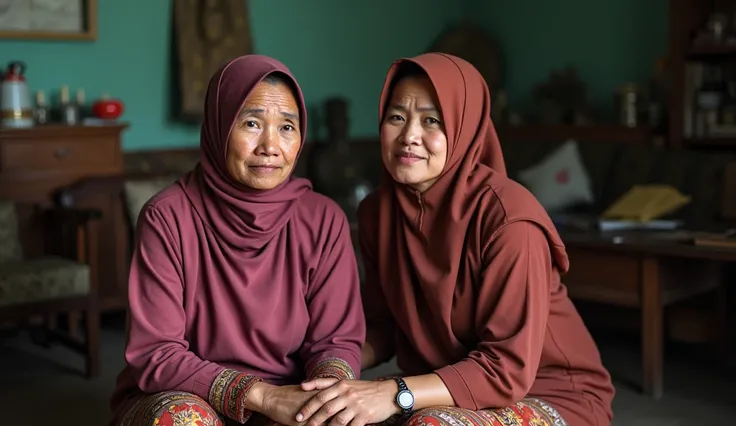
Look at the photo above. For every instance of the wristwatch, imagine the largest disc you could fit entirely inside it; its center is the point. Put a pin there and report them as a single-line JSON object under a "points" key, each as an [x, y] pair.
{"points": [[404, 399]]}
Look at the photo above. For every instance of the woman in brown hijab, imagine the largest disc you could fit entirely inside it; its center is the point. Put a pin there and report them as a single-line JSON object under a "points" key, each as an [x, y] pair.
{"points": [[244, 281], [463, 271]]}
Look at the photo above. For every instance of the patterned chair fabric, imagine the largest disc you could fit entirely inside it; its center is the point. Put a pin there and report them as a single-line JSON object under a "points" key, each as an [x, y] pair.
{"points": [[34, 280], [10, 249]]}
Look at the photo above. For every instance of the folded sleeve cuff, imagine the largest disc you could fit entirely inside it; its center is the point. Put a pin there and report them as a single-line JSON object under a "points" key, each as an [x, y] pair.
{"points": [[336, 368], [452, 376], [228, 393]]}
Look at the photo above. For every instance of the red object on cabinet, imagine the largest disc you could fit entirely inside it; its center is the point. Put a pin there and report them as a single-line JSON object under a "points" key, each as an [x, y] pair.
{"points": [[107, 109]]}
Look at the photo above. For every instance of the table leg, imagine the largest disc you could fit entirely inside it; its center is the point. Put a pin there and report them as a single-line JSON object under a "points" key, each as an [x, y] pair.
{"points": [[652, 310], [724, 331]]}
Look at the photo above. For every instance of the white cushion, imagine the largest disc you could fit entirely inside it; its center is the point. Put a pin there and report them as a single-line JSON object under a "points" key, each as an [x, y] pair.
{"points": [[560, 180]]}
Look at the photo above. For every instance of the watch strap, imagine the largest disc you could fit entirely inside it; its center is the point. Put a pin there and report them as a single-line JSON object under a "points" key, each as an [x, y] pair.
{"points": [[401, 383], [403, 388]]}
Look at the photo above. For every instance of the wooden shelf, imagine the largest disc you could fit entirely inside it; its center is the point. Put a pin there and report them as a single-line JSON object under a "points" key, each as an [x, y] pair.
{"points": [[593, 133], [711, 142], [56, 130], [711, 51]]}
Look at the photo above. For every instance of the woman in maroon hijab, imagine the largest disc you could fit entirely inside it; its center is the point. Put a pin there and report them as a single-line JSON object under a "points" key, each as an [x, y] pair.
{"points": [[244, 281], [463, 271]]}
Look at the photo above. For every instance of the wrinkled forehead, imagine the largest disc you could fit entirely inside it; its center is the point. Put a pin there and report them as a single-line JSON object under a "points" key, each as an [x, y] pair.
{"points": [[460, 90], [243, 75], [444, 74], [228, 90], [239, 78]]}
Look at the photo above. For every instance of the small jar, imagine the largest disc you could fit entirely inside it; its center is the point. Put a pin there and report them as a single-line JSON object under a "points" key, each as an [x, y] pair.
{"points": [[42, 112], [628, 101]]}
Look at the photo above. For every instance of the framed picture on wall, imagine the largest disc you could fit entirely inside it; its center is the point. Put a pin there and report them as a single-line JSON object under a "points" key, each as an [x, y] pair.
{"points": [[48, 19], [207, 34]]}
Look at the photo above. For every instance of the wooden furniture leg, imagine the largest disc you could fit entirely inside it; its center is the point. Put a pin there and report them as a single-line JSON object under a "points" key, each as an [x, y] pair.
{"points": [[652, 327], [724, 329], [93, 359]]}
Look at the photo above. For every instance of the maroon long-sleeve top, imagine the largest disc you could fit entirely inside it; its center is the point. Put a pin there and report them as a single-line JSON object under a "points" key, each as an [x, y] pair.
{"points": [[199, 306], [230, 285], [465, 277]]}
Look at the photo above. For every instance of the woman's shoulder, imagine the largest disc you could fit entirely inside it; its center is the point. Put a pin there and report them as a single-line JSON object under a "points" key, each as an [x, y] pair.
{"points": [[368, 212], [168, 205], [318, 208], [369, 206], [170, 199], [509, 201]]}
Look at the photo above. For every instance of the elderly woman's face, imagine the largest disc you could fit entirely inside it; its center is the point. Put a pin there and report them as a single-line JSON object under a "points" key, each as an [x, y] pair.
{"points": [[413, 140], [265, 139]]}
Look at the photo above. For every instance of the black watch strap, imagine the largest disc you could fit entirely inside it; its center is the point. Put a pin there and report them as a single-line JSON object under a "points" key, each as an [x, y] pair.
{"points": [[404, 395], [401, 383]]}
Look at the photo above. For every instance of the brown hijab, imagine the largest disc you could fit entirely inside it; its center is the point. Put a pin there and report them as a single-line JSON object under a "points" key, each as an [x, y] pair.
{"points": [[422, 237], [244, 217], [474, 151]]}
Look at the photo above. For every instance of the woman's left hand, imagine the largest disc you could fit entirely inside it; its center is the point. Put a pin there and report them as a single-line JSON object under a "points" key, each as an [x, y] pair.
{"points": [[354, 402]]}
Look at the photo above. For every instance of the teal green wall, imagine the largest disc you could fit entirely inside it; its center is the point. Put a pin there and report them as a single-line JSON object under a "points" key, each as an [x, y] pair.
{"points": [[332, 46], [608, 41], [344, 48]]}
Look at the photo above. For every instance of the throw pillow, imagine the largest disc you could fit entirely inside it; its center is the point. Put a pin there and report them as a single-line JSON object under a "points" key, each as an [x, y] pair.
{"points": [[560, 180]]}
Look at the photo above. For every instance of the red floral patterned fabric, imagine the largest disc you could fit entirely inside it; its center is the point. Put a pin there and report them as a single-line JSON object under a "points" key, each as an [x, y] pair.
{"points": [[524, 413], [171, 409]]}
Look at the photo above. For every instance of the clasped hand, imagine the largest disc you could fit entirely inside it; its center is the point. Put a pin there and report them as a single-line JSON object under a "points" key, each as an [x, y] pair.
{"points": [[330, 402], [281, 403], [348, 402]]}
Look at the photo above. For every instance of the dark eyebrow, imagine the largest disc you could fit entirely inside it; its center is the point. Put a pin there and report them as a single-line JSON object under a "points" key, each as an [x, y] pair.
{"points": [[291, 116], [259, 111], [420, 109]]}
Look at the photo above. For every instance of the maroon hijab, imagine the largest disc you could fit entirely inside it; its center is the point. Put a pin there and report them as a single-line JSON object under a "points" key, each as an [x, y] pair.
{"points": [[242, 216]]}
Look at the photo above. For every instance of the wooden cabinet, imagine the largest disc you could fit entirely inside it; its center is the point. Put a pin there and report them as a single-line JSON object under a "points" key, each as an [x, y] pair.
{"points": [[36, 162], [692, 57]]}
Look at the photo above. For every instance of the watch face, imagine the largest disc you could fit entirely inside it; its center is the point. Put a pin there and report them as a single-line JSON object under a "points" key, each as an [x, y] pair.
{"points": [[405, 399]]}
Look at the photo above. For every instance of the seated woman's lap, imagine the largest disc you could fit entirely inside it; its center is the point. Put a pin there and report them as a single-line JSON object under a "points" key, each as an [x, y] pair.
{"points": [[528, 412], [175, 408], [171, 408]]}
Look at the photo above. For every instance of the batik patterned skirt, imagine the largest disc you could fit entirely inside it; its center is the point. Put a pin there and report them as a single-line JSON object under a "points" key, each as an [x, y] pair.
{"points": [[528, 412], [169, 409], [185, 409]]}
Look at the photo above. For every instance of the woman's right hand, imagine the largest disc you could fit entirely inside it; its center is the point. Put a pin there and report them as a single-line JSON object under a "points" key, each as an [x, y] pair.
{"points": [[282, 403]]}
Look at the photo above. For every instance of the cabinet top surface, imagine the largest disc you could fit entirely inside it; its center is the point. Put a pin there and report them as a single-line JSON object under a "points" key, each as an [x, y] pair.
{"points": [[59, 130]]}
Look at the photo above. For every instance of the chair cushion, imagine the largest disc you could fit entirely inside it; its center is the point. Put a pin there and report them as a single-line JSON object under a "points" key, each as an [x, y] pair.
{"points": [[10, 249], [42, 279], [138, 192]]}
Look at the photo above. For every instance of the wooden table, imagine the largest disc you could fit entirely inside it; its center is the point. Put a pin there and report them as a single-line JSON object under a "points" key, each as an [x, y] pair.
{"points": [[647, 272]]}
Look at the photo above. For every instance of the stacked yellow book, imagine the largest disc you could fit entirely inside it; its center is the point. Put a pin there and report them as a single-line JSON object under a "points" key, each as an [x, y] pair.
{"points": [[644, 203]]}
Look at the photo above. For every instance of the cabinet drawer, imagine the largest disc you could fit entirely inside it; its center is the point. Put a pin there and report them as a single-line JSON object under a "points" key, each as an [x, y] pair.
{"points": [[58, 154], [602, 276]]}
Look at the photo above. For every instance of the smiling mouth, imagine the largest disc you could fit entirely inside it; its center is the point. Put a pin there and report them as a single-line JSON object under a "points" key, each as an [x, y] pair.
{"points": [[408, 158], [263, 168]]}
